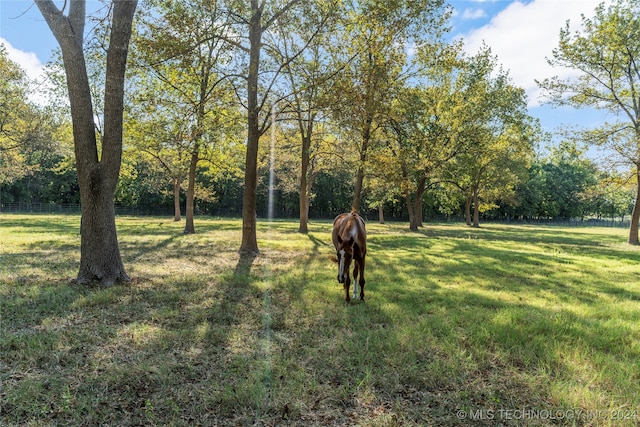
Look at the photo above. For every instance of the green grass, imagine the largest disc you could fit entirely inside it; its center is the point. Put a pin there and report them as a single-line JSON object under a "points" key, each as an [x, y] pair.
{"points": [[509, 325]]}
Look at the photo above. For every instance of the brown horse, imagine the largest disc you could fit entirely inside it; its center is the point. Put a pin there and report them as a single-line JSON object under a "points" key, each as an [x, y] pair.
{"points": [[350, 240]]}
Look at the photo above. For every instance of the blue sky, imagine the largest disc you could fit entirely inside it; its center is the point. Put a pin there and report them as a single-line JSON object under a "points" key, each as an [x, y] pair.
{"points": [[523, 33], [520, 32]]}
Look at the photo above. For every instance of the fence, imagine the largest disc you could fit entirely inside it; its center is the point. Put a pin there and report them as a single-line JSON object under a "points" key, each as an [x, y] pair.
{"points": [[51, 208], [21, 207]]}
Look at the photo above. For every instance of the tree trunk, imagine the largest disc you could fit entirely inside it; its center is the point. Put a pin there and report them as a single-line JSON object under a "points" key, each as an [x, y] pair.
{"points": [[417, 207], [413, 225], [249, 245], [99, 250], [304, 187], [357, 190], [635, 214], [467, 210], [189, 226], [476, 209], [304, 214], [366, 136], [176, 199], [381, 213], [97, 175]]}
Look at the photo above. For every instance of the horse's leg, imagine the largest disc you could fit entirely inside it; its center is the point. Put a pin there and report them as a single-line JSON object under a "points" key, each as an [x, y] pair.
{"points": [[346, 288], [355, 279], [361, 282]]}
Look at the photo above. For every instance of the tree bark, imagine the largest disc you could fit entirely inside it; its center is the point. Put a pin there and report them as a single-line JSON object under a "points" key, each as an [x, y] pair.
{"points": [[366, 137], [249, 245], [304, 185], [381, 213], [99, 250], [635, 214], [357, 190], [176, 199], [418, 201], [467, 210], [476, 209], [413, 225], [97, 175], [189, 226], [415, 206]]}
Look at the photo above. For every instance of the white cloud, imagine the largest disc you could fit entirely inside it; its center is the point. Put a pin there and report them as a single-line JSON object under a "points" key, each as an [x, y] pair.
{"points": [[523, 35], [27, 60], [31, 65], [470, 14]]}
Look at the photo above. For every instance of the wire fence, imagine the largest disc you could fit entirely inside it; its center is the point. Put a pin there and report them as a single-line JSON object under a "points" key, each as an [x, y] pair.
{"points": [[22, 207], [52, 208], [74, 209]]}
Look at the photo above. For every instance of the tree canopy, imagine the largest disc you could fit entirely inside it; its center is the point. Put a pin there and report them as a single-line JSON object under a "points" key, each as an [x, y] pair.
{"points": [[374, 110]]}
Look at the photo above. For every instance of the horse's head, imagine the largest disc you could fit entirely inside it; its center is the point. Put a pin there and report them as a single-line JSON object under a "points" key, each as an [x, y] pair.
{"points": [[344, 255]]}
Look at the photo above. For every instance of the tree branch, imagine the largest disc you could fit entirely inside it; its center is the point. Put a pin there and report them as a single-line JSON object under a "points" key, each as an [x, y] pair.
{"points": [[279, 13]]}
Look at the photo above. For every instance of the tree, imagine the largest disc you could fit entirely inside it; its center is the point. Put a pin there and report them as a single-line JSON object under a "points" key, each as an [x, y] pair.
{"points": [[462, 125], [98, 170], [379, 36], [44, 153], [422, 127], [494, 171], [180, 43], [610, 196], [255, 20], [416, 146], [499, 133], [606, 53], [159, 133], [19, 120], [311, 74], [567, 176]]}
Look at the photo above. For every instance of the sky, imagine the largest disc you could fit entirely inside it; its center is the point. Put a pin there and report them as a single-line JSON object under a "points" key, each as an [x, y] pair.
{"points": [[521, 33]]}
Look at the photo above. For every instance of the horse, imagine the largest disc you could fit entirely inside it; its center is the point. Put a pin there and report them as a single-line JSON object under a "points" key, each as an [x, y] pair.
{"points": [[350, 240]]}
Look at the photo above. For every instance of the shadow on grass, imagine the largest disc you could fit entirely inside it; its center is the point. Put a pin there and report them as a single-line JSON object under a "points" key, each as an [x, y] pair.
{"points": [[317, 243], [135, 355], [41, 224], [451, 323], [566, 272], [524, 233]]}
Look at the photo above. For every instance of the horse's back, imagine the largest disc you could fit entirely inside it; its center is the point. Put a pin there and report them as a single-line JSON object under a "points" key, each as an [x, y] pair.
{"points": [[362, 234], [338, 222], [347, 225]]}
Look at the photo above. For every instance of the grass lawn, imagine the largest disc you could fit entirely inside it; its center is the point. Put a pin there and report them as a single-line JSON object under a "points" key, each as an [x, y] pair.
{"points": [[502, 325]]}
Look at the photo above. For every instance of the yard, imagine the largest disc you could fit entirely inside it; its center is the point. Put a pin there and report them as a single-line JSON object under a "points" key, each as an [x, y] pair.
{"points": [[503, 325]]}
